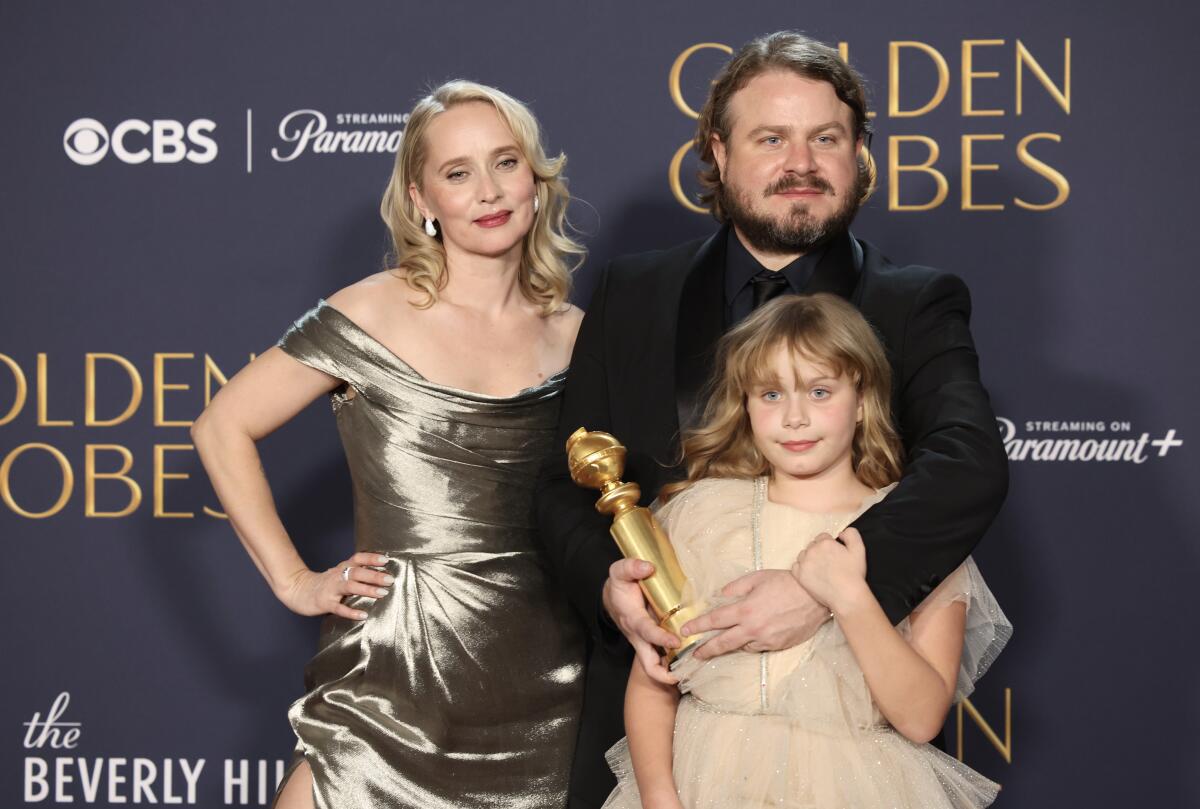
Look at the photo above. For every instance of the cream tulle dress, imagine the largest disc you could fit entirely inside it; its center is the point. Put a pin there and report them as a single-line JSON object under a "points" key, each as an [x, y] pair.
{"points": [[797, 728]]}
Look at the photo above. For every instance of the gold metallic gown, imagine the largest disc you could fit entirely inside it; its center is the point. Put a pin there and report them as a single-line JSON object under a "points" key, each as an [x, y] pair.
{"points": [[464, 684]]}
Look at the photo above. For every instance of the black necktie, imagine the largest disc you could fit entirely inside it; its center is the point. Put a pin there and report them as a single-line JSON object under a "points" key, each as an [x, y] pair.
{"points": [[768, 285]]}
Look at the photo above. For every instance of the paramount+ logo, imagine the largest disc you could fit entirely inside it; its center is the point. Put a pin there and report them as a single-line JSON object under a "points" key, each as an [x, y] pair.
{"points": [[162, 140]]}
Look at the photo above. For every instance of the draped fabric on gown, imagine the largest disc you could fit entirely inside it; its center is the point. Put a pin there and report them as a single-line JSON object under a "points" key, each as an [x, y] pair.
{"points": [[463, 686], [798, 728]]}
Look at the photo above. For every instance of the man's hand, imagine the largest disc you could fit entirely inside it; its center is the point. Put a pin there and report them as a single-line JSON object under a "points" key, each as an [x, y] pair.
{"points": [[774, 612], [626, 605]]}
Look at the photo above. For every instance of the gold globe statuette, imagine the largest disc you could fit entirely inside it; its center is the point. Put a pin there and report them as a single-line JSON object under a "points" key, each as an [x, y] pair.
{"points": [[597, 461]]}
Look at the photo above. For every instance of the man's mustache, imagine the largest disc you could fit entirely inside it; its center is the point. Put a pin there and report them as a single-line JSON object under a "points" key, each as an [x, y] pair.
{"points": [[796, 183]]}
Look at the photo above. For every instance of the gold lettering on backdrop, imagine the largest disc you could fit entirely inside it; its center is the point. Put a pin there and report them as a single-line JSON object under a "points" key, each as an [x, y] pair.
{"points": [[843, 49], [973, 53], [969, 74], [161, 476], [675, 88], [1061, 186], [1005, 747], [895, 168], [43, 385], [1061, 97], [969, 167], [20, 389], [68, 481], [89, 385], [943, 71], [109, 461], [677, 184], [673, 78], [161, 386], [90, 476]]}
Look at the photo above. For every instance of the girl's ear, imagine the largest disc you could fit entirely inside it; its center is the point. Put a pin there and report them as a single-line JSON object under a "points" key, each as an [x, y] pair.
{"points": [[859, 413]]}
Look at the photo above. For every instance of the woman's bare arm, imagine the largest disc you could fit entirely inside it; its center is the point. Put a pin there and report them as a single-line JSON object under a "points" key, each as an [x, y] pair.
{"points": [[264, 395]]}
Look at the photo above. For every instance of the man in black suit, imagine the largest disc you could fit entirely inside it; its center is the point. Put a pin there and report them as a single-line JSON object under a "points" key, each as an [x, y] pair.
{"points": [[782, 133]]}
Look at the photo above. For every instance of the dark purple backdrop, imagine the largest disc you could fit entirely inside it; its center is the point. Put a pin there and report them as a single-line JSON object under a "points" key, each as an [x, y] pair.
{"points": [[160, 630]]}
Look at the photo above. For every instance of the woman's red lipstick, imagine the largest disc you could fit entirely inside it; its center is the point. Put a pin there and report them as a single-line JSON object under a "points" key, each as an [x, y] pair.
{"points": [[493, 220]]}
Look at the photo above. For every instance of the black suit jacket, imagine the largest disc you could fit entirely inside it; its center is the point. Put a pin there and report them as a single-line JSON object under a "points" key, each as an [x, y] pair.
{"points": [[644, 353]]}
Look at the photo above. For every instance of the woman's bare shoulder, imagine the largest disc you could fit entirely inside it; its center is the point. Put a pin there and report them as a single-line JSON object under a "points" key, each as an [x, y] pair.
{"points": [[566, 321], [372, 301], [564, 326]]}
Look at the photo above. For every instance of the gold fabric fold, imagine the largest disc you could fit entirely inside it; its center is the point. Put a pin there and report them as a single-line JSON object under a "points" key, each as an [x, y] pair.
{"points": [[463, 686]]}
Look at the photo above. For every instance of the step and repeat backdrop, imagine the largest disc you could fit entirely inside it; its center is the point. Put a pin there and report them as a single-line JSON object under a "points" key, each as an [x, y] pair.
{"points": [[182, 181]]}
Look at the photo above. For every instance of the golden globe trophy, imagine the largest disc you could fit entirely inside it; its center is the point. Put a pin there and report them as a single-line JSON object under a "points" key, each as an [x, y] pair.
{"points": [[597, 461]]}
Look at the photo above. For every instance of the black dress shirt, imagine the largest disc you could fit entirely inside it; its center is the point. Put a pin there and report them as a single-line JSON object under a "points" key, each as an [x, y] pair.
{"points": [[741, 267]]}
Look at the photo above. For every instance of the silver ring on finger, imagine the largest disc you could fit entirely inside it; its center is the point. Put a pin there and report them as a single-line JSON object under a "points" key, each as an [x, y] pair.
{"points": [[346, 572]]}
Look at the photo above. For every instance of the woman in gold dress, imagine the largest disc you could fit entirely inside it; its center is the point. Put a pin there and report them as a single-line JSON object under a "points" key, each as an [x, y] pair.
{"points": [[449, 670]]}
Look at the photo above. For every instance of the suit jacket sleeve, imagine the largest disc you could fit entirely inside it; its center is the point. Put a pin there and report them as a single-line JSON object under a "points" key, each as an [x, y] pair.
{"points": [[574, 535], [956, 474]]}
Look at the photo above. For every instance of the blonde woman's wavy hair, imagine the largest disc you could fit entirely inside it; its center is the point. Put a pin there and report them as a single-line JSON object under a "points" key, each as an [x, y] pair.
{"points": [[823, 329], [549, 255]]}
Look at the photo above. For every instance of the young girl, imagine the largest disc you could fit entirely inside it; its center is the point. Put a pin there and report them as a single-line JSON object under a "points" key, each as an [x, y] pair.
{"points": [[797, 443]]}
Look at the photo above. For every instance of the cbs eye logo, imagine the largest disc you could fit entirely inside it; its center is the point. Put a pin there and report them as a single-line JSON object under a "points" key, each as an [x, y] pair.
{"points": [[87, 141]]}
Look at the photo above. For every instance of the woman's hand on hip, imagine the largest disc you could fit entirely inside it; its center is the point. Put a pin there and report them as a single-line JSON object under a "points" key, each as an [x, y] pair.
{"points": [[312, 593]]}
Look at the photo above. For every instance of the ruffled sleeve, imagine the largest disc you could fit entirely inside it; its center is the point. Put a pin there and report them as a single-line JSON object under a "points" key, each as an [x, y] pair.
{"points": [[677, 519], [987, 628], [708, 525]]}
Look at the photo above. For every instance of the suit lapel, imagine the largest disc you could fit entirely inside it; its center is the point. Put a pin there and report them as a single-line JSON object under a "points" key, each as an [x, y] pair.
{"points": [[701, 323], [839, 269]]}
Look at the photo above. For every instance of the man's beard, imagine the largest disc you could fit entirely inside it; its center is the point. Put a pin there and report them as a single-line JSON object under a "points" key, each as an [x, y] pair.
{"points": [[798, 231]]}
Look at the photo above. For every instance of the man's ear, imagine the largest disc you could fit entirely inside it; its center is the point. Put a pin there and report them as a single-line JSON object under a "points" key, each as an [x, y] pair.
{"points": [[719, 155]]}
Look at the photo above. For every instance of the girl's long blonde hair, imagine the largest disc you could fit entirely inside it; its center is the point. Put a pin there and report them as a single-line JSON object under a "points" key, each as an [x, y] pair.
{"points": [[824, 329], [550, 255]]}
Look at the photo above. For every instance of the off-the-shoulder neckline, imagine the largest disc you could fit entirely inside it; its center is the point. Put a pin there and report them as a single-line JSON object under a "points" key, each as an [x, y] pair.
{"points": [[404, 366]]}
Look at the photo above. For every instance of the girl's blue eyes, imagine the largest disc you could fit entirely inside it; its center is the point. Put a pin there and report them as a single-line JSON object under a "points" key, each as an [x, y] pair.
{"points": [[819, 394]]}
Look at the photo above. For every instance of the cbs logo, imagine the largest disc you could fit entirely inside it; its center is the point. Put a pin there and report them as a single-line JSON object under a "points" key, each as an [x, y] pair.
{"points": [[87, 141]]}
